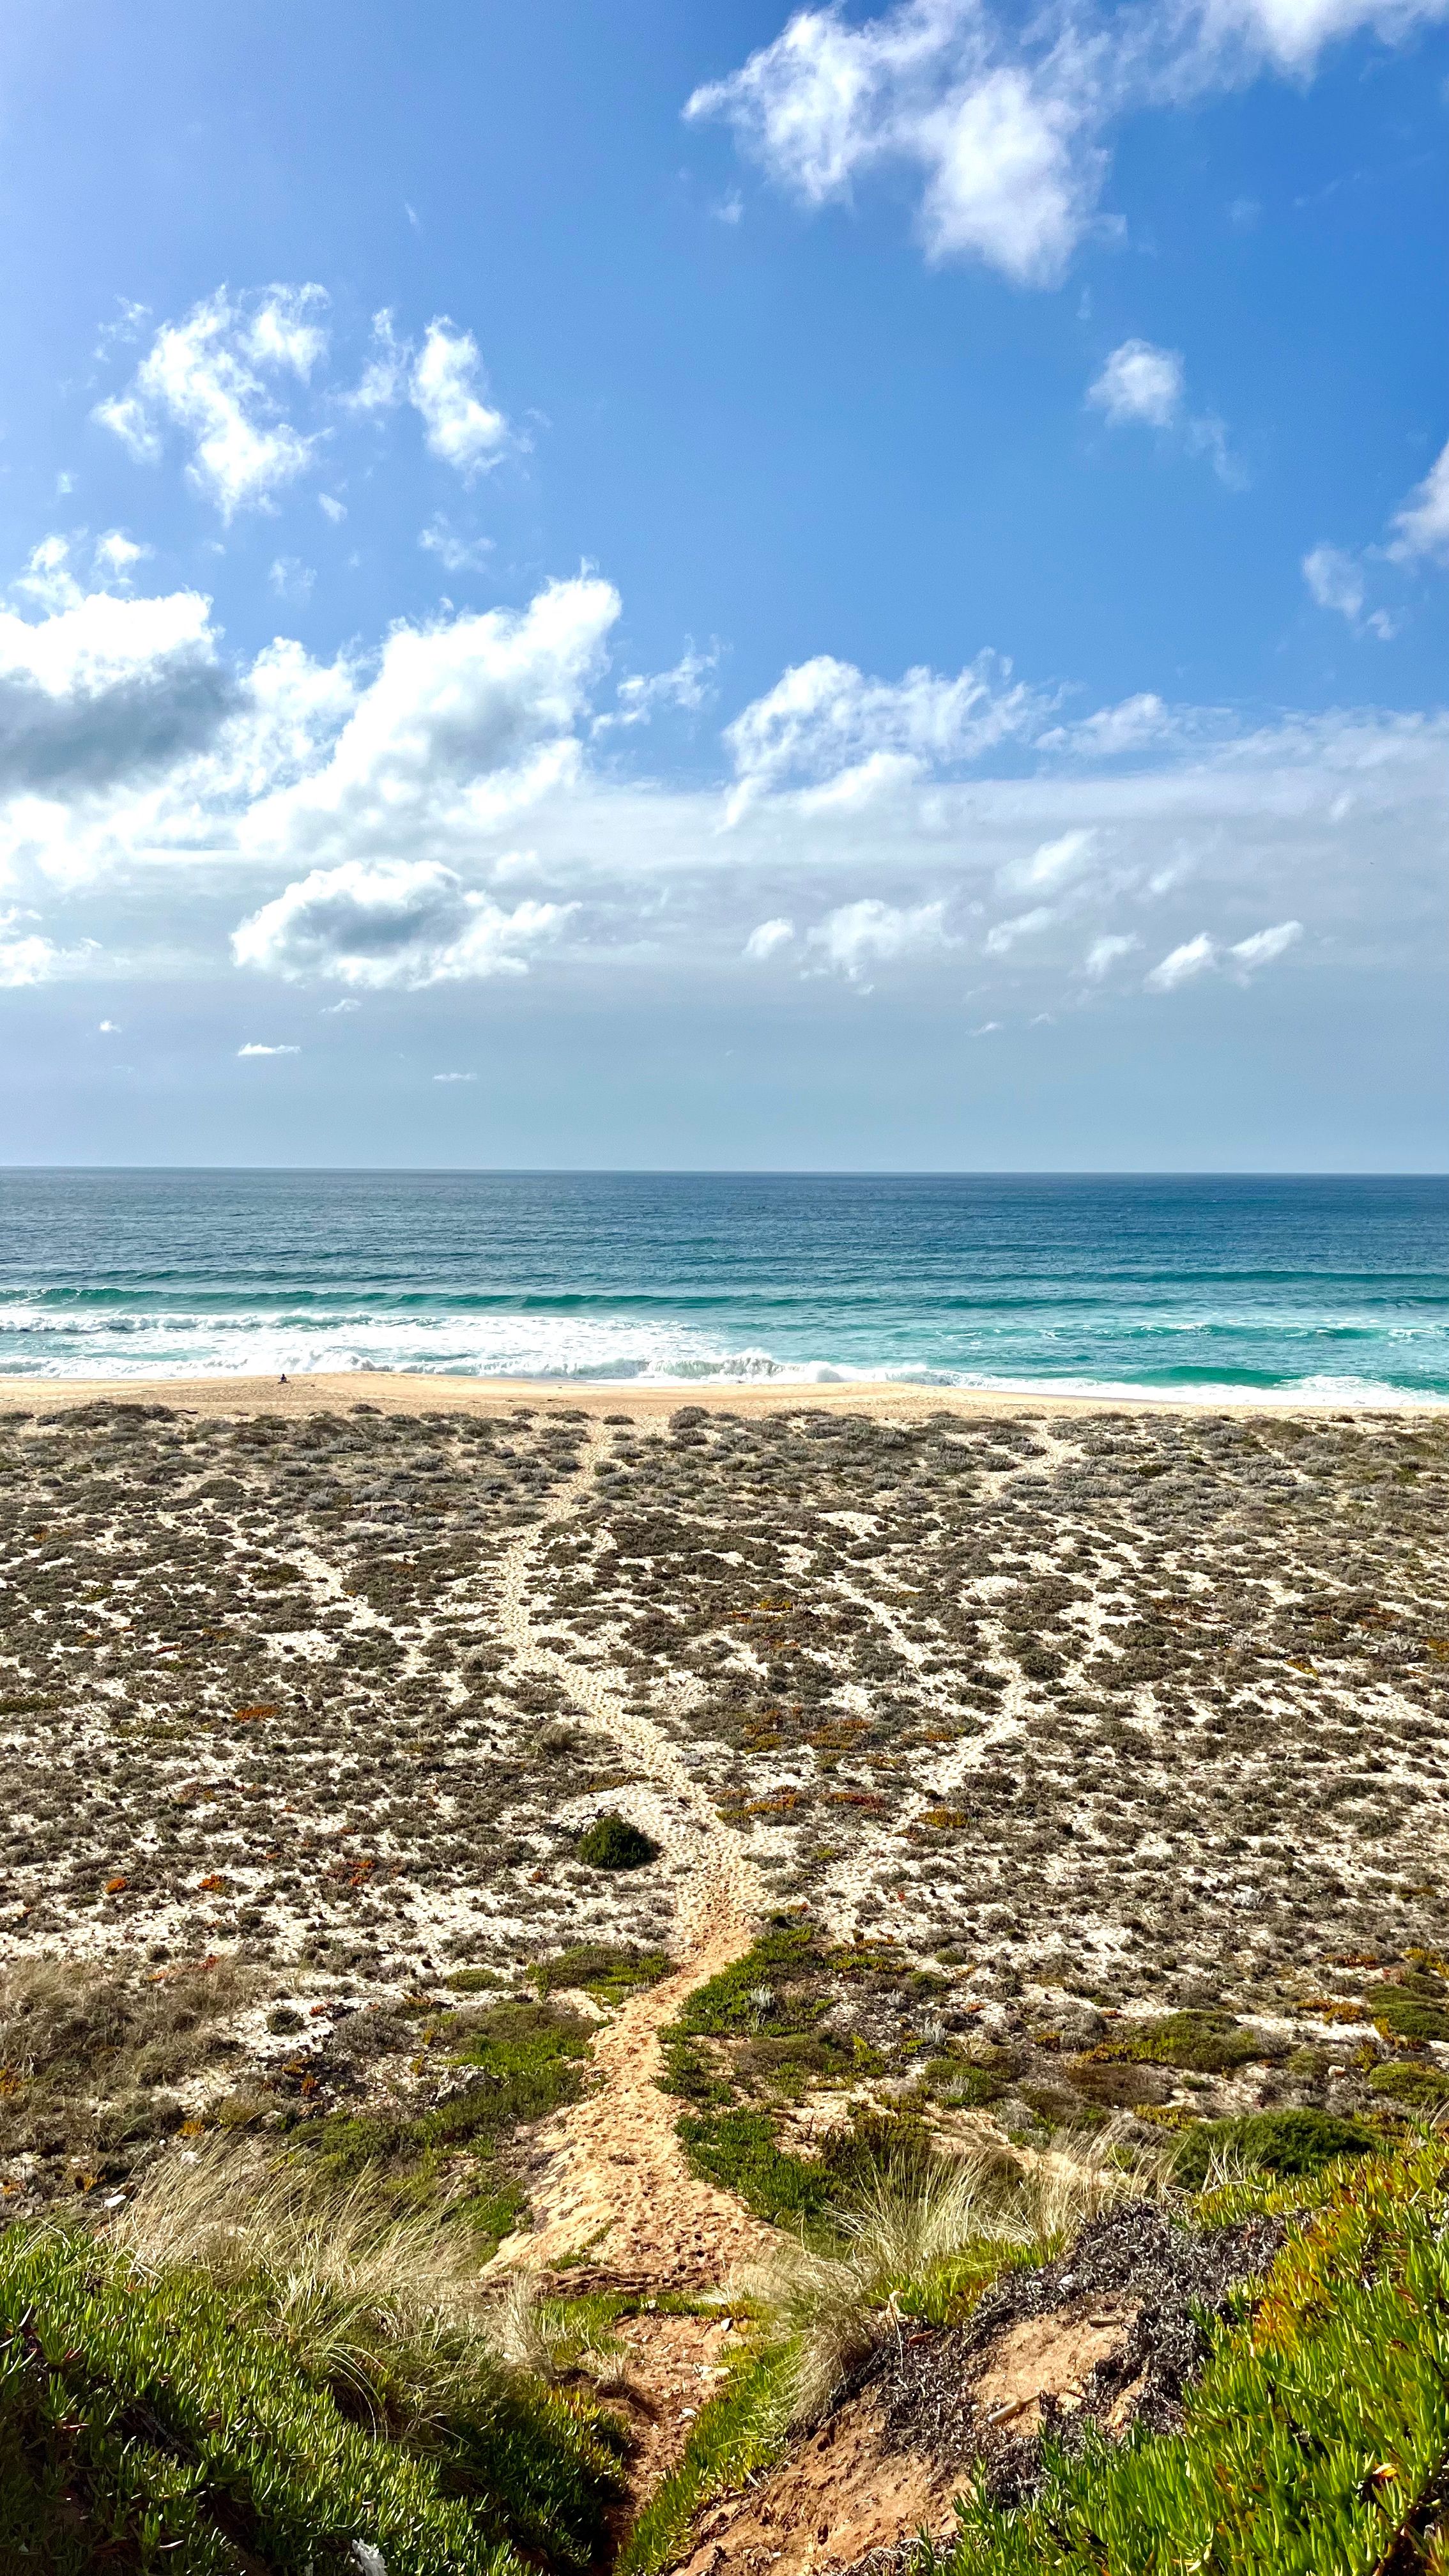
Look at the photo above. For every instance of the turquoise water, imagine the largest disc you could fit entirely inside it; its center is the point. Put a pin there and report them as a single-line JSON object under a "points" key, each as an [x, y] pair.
{"points": [[1332, 1288]]}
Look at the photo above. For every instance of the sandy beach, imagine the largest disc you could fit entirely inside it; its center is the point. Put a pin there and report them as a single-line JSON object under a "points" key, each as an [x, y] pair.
{"points": [[882, 1399]]}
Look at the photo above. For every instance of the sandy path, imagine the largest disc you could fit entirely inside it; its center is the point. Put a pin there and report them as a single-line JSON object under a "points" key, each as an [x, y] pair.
{"points": [[609, 2174]]}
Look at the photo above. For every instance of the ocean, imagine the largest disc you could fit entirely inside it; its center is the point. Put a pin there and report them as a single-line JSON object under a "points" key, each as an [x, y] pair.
{"points": [[1327, 1288]]}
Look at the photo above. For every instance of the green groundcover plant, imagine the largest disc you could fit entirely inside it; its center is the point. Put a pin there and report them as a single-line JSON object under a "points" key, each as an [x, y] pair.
{"points": [[154, 2420], [1315, 2442]]}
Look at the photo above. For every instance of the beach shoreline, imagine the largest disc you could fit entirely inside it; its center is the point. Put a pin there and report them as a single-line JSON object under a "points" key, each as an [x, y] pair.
{"points": [[882, 1399]]}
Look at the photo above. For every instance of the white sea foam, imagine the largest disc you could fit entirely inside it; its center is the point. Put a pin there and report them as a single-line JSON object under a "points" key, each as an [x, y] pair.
{"points": [[51, 1342]]}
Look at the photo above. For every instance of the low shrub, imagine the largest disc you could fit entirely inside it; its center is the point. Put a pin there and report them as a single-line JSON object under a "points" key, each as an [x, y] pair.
{"points": [[528, 2059], [1289, 2143], [1415, 2088], [609, 1969], [1402, 2013], [1206, 2043], [611, 1842]]}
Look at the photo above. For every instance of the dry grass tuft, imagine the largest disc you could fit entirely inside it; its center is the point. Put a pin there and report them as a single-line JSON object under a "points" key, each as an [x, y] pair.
{"points": [[989, 2204]]}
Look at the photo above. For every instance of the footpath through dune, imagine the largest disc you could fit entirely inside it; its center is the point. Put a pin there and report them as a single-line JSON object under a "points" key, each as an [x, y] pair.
{"points": [[608, 2179]]}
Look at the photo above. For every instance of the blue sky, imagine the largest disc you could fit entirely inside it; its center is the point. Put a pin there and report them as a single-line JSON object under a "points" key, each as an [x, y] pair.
{"points": [[658, 586]]}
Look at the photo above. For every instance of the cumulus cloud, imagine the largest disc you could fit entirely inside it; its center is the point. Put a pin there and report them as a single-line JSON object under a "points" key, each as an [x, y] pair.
{"points": [[1195, 956], [1003, 936], [210, 378], [384, 378], [686, 685], [1265, 946], [28, 957], [1113, 731], [1002, 122], [1146, 386], [1004, 149], [391, 922], [465, 721], [1108, 951], [106, 688], [856, 936], [358, 822], [268, 1050], [1421, 528], [825, 721], [446, 386], [1053, 863], [455, 1077], [1419, 533], [116, 554], [1181, 964], [454, 553], [1336, 581], [1140, 383]]}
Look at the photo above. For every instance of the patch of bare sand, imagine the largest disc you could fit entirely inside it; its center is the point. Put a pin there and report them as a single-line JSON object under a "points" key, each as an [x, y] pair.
{"points": [[838, 2498]]}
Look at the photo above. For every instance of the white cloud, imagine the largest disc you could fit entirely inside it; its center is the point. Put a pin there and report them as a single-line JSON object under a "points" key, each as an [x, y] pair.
{"points": [[1140, 383], [27, 957], [1422, 526], [1002, 120], [393, 922], [824, 721], [455, 1077], [1024, 925], [1004, 149], [291, 579], [116, 553], [454, 553], [446, 386], [206, 377], [1291, 34], [1336, 581], [1107, 952], [1113, 731], [105, 688], [1143, 385], [687, 686], [768, 938], [1181, 964], [331, 508], [268, 1050], [1054, 863], [1265, 946], [465, 722], [869, 932], [360, 820], [109, 1029], [384, 378]]}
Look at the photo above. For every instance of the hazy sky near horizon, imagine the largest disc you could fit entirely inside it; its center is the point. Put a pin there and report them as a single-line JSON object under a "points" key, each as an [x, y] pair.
{"points": [[637, 584]]}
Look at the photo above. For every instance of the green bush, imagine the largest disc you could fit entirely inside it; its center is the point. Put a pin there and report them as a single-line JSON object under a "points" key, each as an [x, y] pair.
{"points": [[609, 1969], [1401, 2013], [1418, 2088], [1277, 2142], [1207, 2043], [611, 1842]]}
